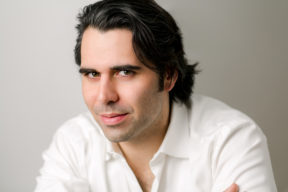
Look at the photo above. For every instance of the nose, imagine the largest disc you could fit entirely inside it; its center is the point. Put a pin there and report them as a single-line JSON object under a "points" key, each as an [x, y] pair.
{"points": [[107, 93]]}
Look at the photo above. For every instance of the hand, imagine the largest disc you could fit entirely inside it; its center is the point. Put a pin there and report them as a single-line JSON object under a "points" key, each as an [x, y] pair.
{"points": [[232, 188]]}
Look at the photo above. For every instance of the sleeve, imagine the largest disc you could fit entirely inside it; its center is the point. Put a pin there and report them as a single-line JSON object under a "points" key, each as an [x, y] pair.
{"points": [[241, 156], [62, 167]]}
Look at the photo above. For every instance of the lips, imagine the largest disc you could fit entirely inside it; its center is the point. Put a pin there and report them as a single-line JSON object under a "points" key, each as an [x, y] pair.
{"points": [[113, 118]]}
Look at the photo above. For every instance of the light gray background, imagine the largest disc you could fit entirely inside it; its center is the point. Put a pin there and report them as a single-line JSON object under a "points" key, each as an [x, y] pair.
{"points": [[242, 47]]}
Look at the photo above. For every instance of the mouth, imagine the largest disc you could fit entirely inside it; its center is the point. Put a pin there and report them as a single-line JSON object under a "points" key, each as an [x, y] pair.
{"points": [[113, 119]]}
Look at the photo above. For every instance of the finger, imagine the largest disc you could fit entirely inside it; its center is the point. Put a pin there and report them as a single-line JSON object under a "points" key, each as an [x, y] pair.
{"points": [[232, 188]]}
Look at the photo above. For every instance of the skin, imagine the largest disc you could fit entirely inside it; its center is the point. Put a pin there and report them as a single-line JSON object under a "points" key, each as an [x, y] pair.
{"points": [[232, 188], [120, 91], [123, 96]]}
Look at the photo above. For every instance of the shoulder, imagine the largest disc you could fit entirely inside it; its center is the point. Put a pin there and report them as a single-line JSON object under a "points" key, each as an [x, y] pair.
{"points": [[210, 117], [75, 140], [235, 144], [79, 128]]}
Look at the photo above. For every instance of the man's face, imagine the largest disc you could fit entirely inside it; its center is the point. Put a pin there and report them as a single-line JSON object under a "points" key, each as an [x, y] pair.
{"points": [[121, 93]]}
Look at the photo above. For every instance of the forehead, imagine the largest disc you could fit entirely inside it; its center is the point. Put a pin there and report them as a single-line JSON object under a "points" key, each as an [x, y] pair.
{"points": [[112, 47]]}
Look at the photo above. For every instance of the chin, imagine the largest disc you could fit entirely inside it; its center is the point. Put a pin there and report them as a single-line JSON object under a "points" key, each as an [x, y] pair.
{"points": [[117, 137]]}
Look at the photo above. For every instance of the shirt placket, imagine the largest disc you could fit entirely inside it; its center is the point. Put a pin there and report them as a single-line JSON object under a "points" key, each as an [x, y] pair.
{"points": [[132, 181], [156, 166]]}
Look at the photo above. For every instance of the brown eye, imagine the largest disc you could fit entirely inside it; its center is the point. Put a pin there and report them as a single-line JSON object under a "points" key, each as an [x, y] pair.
{"points": [[125, 73], [92, 74]]}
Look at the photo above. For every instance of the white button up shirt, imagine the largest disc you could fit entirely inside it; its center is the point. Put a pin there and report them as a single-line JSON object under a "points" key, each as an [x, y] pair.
{"points": [[206, 148]]}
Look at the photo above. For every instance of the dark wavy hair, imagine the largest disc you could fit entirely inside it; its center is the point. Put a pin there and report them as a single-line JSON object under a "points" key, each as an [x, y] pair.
{"points": [[156, 38]]}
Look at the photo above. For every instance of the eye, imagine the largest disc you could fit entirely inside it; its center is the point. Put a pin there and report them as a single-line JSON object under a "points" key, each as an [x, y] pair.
{"points": [[92, 75], [125, 73]]}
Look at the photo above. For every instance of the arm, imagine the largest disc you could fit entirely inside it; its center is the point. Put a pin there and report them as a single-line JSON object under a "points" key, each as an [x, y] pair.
{"points": [[241, 156]]}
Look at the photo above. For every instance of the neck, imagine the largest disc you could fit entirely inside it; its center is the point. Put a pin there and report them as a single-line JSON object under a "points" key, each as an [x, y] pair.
{"points": [[139, 151], [143, 148], [147, 145]]}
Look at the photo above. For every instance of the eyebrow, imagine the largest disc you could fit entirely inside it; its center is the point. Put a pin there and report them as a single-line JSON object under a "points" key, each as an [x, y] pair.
{"points": [[84, 70], [125, 67]]}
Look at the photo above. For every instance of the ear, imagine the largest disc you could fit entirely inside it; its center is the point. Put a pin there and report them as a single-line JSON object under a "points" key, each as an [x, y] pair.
{"points": [[170, 81]]}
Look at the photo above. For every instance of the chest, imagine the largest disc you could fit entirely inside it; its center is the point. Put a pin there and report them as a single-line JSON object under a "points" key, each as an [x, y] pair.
{"points": [[145, 178], [169, 175]]}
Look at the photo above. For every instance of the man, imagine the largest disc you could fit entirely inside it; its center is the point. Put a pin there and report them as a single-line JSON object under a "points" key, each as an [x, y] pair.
{"points": [[145, 132]]}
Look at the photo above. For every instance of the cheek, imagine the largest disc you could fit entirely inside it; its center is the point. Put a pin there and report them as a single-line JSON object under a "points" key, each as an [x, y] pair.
{"points": [[140, 94], [88, 94], [128, 95], [133, 91]]}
